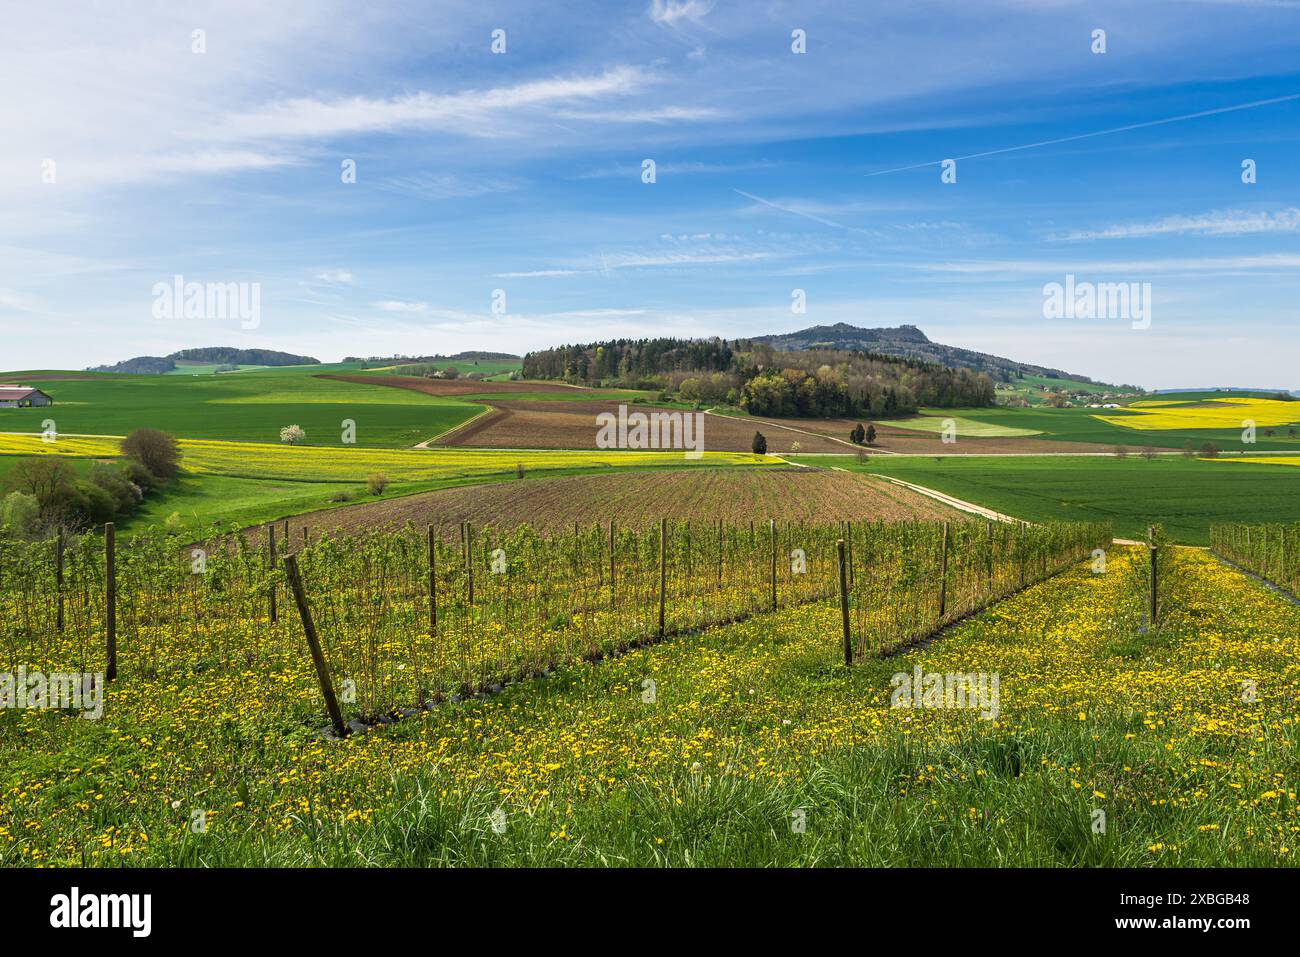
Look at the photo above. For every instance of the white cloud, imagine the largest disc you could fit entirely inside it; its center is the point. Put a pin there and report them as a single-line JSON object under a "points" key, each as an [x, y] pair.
{"points": [[672, 12], [399, 305], [1231, 222], [470, 112]]}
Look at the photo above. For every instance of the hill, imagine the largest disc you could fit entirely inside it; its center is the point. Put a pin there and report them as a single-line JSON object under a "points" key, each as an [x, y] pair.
{"points": [[911, 343], [220, 355]]}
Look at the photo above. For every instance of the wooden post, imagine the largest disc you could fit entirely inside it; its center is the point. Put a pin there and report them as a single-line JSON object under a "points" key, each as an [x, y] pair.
{"points": [[286, 532], [313, 644], [1154, 611], [58, 578], [469, 563], [720, 548], [611, 561], [110, 600], [663, 570], [304, 535], [433, 585], [844, 602], [270, 563], [771, 534], [943, 573]]}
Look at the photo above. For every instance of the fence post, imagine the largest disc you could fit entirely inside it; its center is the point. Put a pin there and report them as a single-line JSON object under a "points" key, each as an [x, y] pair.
{"points": [[844, 602], [771, 534], [1153, 613], [110, 600], [58, 578], [433, 584], [469, 562], [943, 573], [270, 563], [313, 644], [663, 570]]}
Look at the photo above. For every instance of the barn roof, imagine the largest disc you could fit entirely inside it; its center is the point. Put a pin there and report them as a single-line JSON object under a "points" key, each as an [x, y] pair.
{"points": [[10, 392]]}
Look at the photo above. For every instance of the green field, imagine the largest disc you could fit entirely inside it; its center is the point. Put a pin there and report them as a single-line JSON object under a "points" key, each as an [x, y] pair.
{"points": [[245, 407], [1185, 495], [1082, 425]]}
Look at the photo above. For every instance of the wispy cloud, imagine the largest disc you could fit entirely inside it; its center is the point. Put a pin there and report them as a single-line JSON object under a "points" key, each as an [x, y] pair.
{"points": [[673, 12], [470, 112], [439, 186], [1231, 222], [399, 305]]}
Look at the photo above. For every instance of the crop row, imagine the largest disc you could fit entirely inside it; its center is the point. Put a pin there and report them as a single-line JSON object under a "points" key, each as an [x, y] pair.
{"points": [[410, 615]]}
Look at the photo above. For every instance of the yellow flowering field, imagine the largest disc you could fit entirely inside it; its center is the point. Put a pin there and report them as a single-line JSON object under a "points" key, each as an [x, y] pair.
{"points": [[1219, 413], [741, 744], [350, 463]]}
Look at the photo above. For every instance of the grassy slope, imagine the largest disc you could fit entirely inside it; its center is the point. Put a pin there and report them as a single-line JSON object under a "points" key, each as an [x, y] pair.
{"points": [[243, 407], [1186, 495], [751, 723]]}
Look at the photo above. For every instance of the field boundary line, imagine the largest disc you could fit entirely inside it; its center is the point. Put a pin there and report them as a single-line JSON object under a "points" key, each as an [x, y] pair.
{"points": [[486, 410], [954, 502]]}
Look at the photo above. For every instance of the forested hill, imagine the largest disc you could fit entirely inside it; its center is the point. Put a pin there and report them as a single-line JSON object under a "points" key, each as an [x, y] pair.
{"points": [[223, 355], [908, 342], [756, 377]]}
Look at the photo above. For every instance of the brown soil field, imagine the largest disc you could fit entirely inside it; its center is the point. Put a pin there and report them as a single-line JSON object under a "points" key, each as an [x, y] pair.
{"points": [[449, 387], [890, 438], [640, 499], [551, 423]]}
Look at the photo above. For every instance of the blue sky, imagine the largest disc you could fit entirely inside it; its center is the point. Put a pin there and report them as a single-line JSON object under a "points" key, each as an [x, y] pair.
{"points": [[522, 172]]}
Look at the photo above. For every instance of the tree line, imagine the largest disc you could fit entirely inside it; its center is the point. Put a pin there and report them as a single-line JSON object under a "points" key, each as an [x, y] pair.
{"points": [[813, 383]]}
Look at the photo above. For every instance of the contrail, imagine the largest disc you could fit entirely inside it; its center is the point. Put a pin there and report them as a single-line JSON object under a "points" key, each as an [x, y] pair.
{"points": [[796, 212], [1084, 136]]}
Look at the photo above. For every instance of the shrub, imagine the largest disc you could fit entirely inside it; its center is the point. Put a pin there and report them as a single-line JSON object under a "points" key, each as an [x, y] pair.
{"points": [[376, 483], [796, 446], [759, 445], [519, 470], [157, 451], [126, 494], [858, 435], [20, 513], [292, 434], [51, 481], [91, 505], [871, 435], [1209, 450], [139, 475], [343, 495]]}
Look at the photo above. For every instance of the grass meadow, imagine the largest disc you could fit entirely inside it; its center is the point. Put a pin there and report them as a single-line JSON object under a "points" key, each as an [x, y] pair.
{"points": [[1185, 495]]}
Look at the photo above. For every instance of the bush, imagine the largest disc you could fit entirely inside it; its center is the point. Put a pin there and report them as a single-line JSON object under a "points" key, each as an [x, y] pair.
{"points": [[759, 445], [157, 451], [376, 483], [871, 435], [1209, 450], [92, 505], [126, 494], [139, 475], [292, 434], [343, 495], [51, 481], [858, 435], [519, 470], [20, 513]]}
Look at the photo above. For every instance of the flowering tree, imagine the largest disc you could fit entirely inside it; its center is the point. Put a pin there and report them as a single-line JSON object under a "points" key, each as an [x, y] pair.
{"points": [[292, 434]]}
